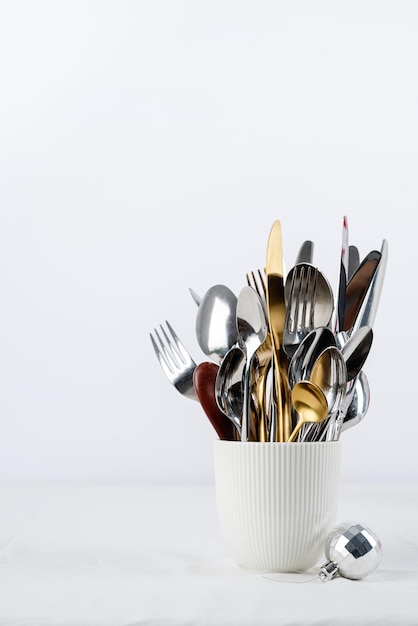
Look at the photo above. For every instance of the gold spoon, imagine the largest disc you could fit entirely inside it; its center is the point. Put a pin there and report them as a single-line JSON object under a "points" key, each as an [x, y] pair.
{"points": [[310, 403]]}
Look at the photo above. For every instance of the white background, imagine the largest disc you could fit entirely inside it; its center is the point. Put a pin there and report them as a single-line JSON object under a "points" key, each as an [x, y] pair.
{"points": [[147, 147]]}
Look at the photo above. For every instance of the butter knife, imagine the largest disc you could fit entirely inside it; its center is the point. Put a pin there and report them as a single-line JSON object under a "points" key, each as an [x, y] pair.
{"points": [[276, 310], [368, 309]]}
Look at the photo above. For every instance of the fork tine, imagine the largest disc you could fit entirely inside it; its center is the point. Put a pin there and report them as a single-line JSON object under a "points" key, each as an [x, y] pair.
{"points": [[174, 359], [169, 347], [310, 296], [262, 282], [293, 302], [304, 307], [300, 305], [257, 282], [185, 356], [162, 355]]}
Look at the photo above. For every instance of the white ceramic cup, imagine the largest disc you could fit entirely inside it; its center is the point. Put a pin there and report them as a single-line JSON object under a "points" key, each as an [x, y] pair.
{"points": [[276, 501]]}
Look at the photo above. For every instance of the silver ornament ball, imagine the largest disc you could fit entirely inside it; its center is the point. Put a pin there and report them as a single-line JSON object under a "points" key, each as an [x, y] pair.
{"points": [[353, 551]]}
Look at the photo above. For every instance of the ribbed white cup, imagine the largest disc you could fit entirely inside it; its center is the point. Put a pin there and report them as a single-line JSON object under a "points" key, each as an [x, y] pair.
{"points": [[276, 501]]}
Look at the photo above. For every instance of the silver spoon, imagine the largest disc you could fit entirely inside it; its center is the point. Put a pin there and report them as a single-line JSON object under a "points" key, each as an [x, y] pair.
{"points": [[356, 350], [229, 391], [252, 332], [216, 324], [329, 373], [359, 404], [308, 351]]}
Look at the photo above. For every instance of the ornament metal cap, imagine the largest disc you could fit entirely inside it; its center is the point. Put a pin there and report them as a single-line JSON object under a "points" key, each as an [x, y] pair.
{"points": [[328, 571]]}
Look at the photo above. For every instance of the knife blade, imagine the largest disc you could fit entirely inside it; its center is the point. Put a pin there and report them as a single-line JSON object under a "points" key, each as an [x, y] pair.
{"points": [[305, 254], [276, 310], [368, 309], [343, 277], [353, 260], [358, 287]]}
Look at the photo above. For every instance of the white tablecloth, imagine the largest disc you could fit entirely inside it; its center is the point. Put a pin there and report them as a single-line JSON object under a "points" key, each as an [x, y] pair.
{"points": [[125, 555]]}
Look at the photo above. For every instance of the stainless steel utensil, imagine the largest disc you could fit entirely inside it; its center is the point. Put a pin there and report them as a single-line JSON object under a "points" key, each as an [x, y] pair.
{"points": [[358, 287], [367, 312], [216, 322], [305, 254], [175, 361], [329, 372], [229, 386], [353, 260], [308, 351], [197, 299], [343, 278], [257, 281], [252, 332], [358, 405], [356, 350], [309, 304]]}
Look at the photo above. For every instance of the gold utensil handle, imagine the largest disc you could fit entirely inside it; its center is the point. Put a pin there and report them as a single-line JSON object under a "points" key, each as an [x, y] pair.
{"points": [[276, 309]]}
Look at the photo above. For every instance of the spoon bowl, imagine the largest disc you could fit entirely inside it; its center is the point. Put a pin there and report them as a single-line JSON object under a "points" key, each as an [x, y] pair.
{"points": [[216, 327], [309, 304], [329, 373], [310, 403], [229, 389], [356, 350], [308, 351]]}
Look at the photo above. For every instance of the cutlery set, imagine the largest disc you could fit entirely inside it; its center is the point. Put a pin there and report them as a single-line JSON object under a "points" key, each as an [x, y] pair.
{"points": [[285, 357]]}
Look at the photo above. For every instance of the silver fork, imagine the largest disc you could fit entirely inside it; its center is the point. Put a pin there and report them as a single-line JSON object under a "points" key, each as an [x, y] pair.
{"points": [[257, 281], [176, 362], [300, 307]]}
